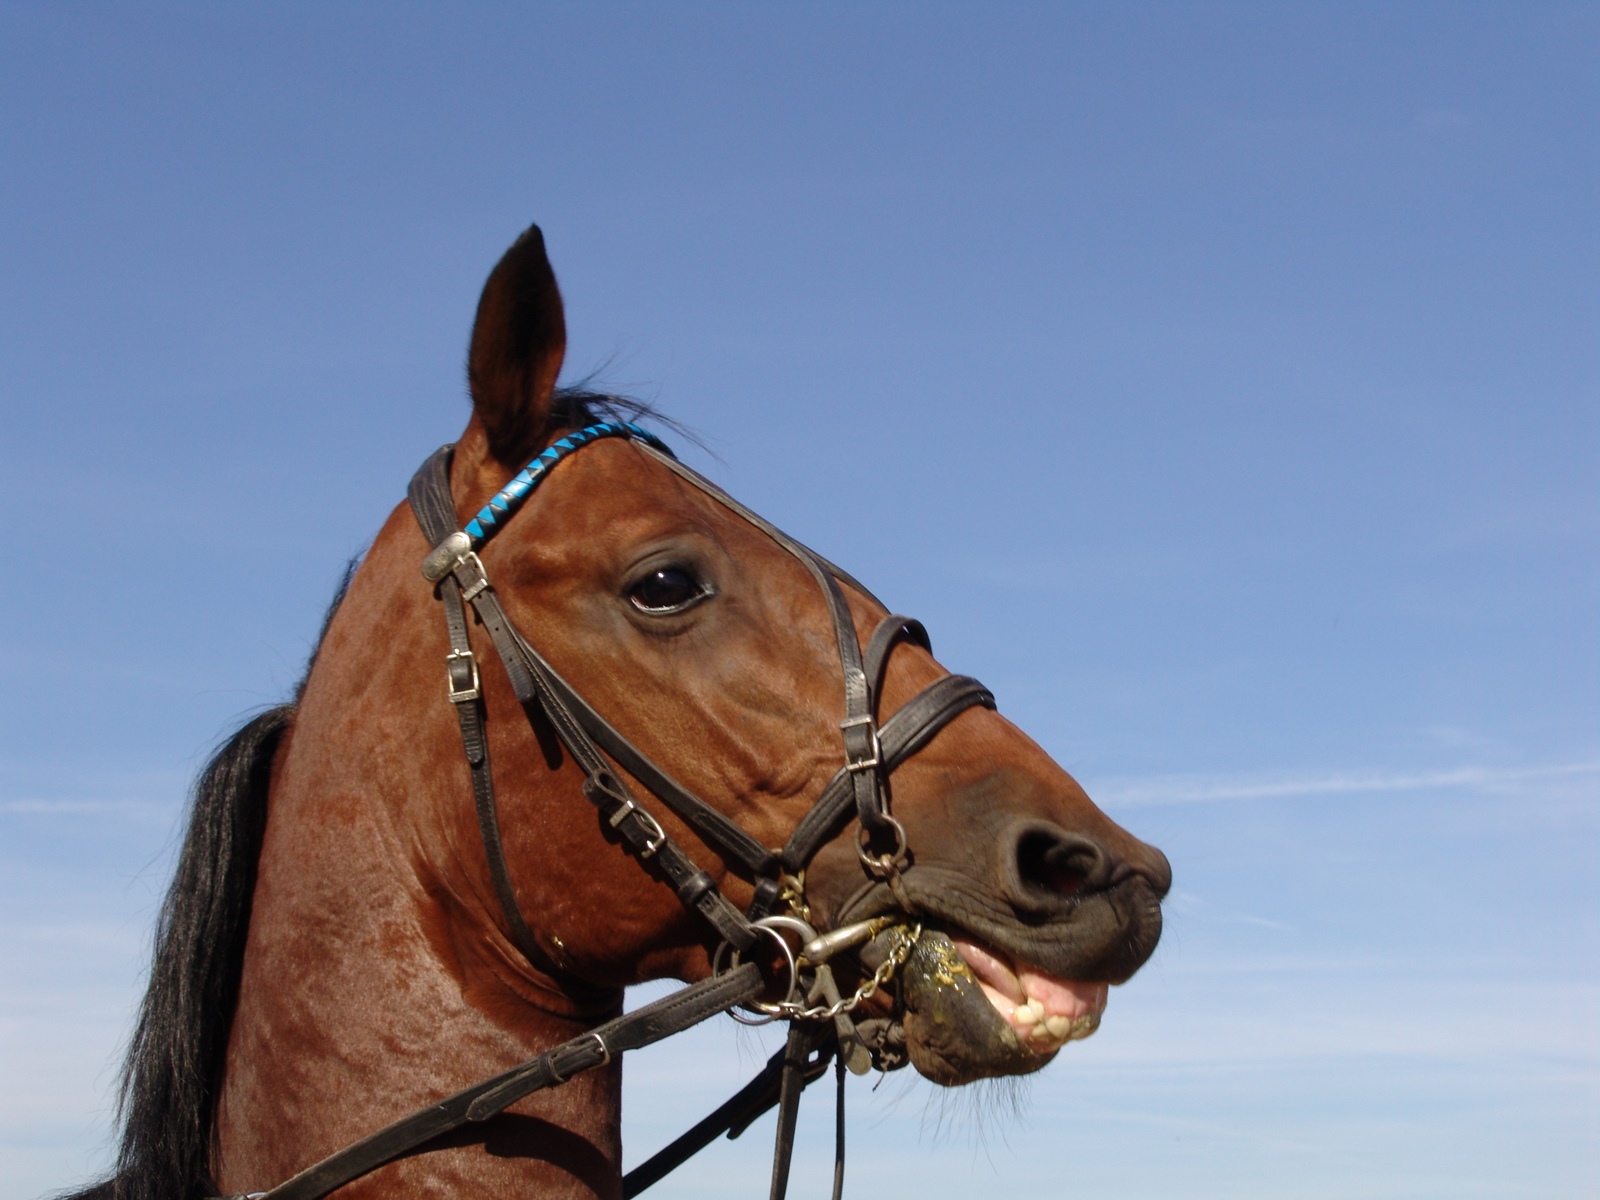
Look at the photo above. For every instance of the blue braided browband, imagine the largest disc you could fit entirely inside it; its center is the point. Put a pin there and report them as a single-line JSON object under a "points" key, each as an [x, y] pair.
{"points": [[511, 497]]}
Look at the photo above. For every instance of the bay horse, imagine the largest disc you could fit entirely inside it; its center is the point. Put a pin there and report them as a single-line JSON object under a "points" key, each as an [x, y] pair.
{"points": [[427, 868]]}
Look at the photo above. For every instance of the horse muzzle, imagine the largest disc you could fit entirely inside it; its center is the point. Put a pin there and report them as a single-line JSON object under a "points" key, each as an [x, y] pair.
{"points": [[1004, 977]]}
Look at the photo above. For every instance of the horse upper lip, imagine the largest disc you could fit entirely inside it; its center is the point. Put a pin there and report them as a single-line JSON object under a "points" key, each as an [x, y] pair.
{"points": [[1156, 871], [1103, 935]]}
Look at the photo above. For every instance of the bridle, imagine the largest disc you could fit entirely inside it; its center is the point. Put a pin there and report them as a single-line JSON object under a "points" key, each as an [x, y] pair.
{"points": [[820, 1026]]}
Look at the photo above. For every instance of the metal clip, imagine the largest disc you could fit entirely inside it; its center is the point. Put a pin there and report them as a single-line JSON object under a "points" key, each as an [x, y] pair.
{"points": [[472, 691], [442, 558], [851, 763]]}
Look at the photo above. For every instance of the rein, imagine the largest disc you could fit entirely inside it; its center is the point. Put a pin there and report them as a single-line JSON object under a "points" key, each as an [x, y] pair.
{"points": [[820, 1026]]}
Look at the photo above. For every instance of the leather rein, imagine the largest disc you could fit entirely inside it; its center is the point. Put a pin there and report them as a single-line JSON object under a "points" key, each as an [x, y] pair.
{"points": [[820, 1027]]}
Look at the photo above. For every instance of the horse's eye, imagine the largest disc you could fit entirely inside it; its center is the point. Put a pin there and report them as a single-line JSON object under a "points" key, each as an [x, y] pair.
{"points": [[666, 590]]}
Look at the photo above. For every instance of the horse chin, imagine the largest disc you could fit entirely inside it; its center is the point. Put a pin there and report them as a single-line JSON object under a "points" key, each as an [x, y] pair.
{"points": [[969, 1013]]}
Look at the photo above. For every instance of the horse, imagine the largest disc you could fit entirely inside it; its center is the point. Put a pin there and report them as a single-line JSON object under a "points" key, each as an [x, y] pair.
{"points": [[426, 868]]}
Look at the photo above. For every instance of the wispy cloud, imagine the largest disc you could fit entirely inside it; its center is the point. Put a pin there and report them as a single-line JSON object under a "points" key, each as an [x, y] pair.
{"points": [[1190, 789], [30, 806]]}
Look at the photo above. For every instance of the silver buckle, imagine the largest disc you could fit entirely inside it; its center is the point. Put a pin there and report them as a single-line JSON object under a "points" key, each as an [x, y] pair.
{"points": [[455, 556], [468, 693], [854, 765], [657, 835]]}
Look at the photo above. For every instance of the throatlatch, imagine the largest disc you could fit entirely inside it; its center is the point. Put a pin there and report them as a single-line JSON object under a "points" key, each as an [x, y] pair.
{"points": [[820, 1025]]}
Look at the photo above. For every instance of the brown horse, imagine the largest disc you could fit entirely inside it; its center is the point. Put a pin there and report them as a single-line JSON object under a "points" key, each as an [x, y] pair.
{"points": [[334, 952]]}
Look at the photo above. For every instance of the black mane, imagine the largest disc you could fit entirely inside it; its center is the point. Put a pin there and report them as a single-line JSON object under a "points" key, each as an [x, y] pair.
{"points": [[580, 405]]}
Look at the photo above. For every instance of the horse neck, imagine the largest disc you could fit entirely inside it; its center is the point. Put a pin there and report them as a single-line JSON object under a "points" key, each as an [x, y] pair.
{"points": [[376, 976]]}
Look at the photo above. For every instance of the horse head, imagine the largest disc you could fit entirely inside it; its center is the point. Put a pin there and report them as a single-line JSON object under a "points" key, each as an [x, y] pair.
{"points": [[401, 942], [699, 635]]}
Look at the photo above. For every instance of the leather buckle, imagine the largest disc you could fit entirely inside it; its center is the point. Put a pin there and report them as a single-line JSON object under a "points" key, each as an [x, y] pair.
{"points": [[605, 1056], [470, 574], [460, 695]]}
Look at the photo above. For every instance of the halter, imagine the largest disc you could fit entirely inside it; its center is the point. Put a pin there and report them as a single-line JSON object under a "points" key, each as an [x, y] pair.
{"points": [[820, 1026]]}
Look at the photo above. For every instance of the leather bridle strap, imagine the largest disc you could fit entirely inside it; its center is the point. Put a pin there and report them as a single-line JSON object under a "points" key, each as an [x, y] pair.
{"points": [[717, 830], [603, 788], [902, 735], [466, 696], [665, 1017], [435, 510], [803, 1039], [859, 729], [535, 684], [891, 631], [732, 1117]]}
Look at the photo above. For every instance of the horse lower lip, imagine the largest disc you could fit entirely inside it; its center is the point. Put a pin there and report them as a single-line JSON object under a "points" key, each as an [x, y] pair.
{"points": [[1044, 1013]]}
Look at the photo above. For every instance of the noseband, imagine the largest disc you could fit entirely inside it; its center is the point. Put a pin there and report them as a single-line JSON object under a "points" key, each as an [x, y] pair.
{"points": [[820, 1026]]}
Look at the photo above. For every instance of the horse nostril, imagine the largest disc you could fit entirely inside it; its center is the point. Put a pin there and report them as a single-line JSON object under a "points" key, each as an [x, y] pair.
{"points": [[1059, 862]]}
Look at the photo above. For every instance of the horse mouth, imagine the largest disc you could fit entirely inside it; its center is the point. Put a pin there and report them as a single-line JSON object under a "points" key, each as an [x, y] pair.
{"points": [[964, 1011], [1044, 1013], [990, 990], [999, 981]]}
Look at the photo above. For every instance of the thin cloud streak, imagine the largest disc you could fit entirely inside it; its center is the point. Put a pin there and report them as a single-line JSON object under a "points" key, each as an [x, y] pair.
{"points": [[1169, 789], [66, 808]]}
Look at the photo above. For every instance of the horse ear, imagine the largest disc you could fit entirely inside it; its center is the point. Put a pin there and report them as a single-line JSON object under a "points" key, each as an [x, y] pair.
{"points": [[518, 341]]}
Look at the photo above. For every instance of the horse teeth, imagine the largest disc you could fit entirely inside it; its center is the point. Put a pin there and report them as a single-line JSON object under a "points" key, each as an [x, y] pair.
{"points": [[1037, 1008], [1025, 1015], [1059, 1027]]}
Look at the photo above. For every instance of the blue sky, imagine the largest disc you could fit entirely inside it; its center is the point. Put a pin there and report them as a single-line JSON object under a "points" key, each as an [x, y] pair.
{"points": [[1218, 382]]}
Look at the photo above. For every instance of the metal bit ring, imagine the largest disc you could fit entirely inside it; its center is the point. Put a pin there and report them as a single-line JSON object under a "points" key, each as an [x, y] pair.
{"points": [[769, 926]]}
